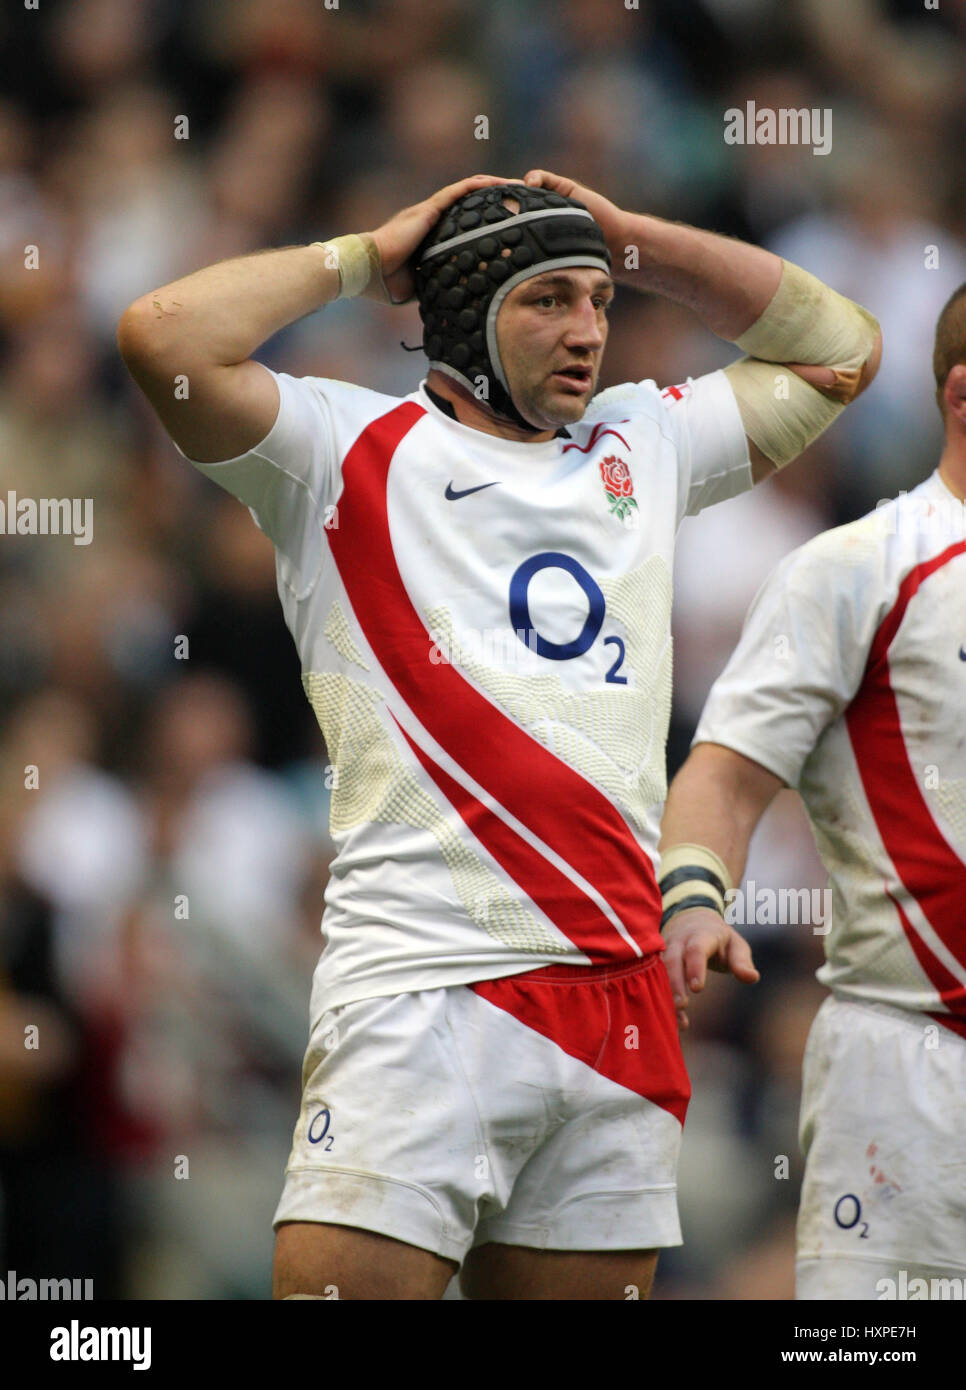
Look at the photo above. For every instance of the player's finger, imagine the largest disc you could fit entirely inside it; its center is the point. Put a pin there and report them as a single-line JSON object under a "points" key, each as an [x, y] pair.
{"points": [[674, 966], [543, 178], [411, 224], [700, 946], [740, 961], [452, 191]]}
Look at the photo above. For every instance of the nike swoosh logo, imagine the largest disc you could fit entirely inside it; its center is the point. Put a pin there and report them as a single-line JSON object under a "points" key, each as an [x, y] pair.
{"points": [[452, 495]]}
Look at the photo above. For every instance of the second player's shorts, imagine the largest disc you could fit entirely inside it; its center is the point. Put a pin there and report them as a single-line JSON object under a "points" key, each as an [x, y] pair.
{"points": [[543, 1109], [883, 1128]]}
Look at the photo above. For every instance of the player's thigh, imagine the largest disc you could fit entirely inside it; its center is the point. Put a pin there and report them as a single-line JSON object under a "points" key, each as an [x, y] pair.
{"points": [[520, 1272], [883, 1111], [319, 1260]]}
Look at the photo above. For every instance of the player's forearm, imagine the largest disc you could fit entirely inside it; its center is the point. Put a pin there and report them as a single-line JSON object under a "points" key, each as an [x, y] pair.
{"points": [[727, 283], [716, 800], [222, 314], [827, 346]]}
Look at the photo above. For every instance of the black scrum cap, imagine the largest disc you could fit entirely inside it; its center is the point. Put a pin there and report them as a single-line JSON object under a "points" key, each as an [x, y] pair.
{"points": [[477, 252]]}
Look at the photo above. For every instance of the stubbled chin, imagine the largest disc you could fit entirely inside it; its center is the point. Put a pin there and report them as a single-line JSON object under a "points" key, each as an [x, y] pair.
{"points": [[565, 409], [549, 412], [575, 408]]}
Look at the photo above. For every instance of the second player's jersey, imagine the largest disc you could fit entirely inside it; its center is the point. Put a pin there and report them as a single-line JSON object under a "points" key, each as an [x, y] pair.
{"points": [[849, 683], [484, 633]]}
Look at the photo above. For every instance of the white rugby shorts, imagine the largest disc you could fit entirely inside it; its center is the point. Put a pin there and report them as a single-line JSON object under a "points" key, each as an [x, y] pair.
{"points": [[883, 1129], [543, 1109]]}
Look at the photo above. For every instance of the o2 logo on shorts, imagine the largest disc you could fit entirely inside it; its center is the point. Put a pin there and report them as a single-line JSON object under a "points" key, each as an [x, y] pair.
{"points": [[319, 1128], [562, 651], [848, 1215]]}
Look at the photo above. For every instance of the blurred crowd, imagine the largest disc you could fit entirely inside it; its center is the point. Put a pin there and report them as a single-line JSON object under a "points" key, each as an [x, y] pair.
{"points": [[163, 803]]}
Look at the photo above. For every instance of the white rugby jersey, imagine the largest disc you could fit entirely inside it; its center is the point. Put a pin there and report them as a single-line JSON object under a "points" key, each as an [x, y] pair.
{"points": [[484, 632], [849, 683]]}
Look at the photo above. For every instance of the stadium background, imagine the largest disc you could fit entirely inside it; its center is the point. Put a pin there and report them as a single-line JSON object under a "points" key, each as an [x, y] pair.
{"points": [[161, 1038]]}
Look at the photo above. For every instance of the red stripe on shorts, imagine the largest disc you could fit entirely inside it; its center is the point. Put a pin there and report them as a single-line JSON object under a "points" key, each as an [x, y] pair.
{"points": [[629, 1008]]}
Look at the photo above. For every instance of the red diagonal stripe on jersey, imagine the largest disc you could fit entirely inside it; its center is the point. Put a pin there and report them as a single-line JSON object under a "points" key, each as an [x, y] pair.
{"points": [[552, 891], [926, 864], [559, 806], [951, 992], [910, 586]]}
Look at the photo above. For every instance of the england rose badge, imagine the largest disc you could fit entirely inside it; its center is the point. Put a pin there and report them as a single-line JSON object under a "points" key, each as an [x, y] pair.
{"points": [[618, 485]]}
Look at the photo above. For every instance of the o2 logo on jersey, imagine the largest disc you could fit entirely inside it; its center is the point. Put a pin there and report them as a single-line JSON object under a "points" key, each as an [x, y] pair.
{"points": [[848, 1215], [562, 651], [319, 1128]]}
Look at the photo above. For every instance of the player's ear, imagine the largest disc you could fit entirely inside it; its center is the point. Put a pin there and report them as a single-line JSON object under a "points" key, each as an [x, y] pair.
{"points": [[954, 394]]}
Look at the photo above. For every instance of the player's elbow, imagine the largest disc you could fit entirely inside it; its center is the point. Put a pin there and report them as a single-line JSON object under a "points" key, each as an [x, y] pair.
{"points": [[133, 333], [146, 335], [846, 381], [871, 365]]}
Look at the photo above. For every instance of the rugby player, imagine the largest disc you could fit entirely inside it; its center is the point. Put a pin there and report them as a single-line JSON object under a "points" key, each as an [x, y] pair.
{"points": [[478, 581], [849, 684]]}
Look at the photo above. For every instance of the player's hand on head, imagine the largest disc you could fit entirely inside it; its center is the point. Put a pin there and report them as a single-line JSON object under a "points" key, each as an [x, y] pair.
{"points": [[698, 940], [606, 214], [398, 238]]}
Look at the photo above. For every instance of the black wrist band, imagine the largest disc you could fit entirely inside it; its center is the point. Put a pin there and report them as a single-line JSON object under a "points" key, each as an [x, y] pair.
{"points": [[697, 900], [686, 873]]}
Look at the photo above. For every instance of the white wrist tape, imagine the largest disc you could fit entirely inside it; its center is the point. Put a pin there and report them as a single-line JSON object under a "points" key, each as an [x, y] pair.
{"points": [[807, 323], [692, 876], [357, 260]]}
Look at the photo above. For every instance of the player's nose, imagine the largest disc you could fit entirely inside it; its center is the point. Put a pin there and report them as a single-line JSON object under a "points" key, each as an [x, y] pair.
{"points": [[585, 328]]}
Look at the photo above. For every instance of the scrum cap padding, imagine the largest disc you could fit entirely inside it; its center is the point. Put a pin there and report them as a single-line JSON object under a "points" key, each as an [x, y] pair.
{"points": [[477, 252]]}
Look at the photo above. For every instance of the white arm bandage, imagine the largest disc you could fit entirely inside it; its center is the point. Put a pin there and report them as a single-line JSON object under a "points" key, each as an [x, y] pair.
{"points": [[357, 260], [806, 322]]}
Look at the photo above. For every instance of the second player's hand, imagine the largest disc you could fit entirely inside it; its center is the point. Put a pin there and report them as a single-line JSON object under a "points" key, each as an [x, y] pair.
{"points": [[699, 940], [398, 238], [609, 217]]}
